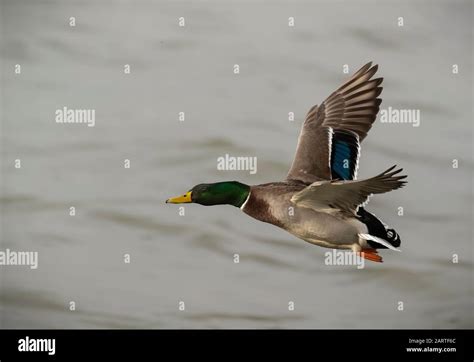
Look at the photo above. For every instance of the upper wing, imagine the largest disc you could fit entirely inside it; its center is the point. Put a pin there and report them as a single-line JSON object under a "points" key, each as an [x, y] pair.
{"points": [[350, 109], [347, 196]]}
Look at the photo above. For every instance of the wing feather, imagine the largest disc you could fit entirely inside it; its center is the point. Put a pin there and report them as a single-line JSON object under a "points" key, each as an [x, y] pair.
{"points": [[347, 196], [352, 107]]}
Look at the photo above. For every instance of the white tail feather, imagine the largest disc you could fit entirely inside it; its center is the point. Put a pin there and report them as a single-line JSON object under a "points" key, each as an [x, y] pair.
{"points": [[379, 241]]}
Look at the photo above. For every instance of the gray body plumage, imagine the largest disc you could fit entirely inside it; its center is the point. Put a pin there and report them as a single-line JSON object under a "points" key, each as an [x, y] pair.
{"points": [[271, 203]]}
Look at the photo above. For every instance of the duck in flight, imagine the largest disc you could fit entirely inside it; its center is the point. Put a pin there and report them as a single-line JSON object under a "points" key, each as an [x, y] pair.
{"points": [[321, 201]]}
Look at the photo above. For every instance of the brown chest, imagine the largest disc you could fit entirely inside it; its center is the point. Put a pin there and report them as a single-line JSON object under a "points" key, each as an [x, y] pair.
{"points": [[259, 208]]}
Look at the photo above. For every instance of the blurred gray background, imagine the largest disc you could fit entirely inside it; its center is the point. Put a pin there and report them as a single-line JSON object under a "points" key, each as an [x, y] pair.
{"points": [[190, 258]]}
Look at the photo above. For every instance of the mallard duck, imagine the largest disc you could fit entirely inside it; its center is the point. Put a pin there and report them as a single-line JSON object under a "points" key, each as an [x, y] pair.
{"points": [[321, 201]]}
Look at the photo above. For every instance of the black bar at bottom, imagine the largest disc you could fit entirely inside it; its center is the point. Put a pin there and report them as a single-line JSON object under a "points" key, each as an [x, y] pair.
{"points": [[380, 345]]}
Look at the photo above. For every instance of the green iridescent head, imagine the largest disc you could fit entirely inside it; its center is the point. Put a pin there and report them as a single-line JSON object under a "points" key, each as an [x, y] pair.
{"points": [[219, 193]]}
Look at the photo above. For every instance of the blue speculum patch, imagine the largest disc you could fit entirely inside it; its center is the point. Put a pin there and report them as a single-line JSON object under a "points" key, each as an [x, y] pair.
{"points": [[342, 160]]}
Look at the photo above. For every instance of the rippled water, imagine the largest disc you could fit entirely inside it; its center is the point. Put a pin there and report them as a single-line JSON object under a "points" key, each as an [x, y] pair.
{"points": [[190, 258]]}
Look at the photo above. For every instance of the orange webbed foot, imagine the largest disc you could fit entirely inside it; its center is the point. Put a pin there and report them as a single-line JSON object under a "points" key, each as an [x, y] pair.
{"points": [[371, 254]]}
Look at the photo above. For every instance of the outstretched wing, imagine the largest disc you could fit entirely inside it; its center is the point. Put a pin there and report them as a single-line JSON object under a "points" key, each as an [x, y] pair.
{"points": [[347, 196], [350, 110]]}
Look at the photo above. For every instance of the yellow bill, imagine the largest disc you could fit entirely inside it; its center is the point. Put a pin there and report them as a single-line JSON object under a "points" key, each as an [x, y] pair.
{"points": [[183, 199]]}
